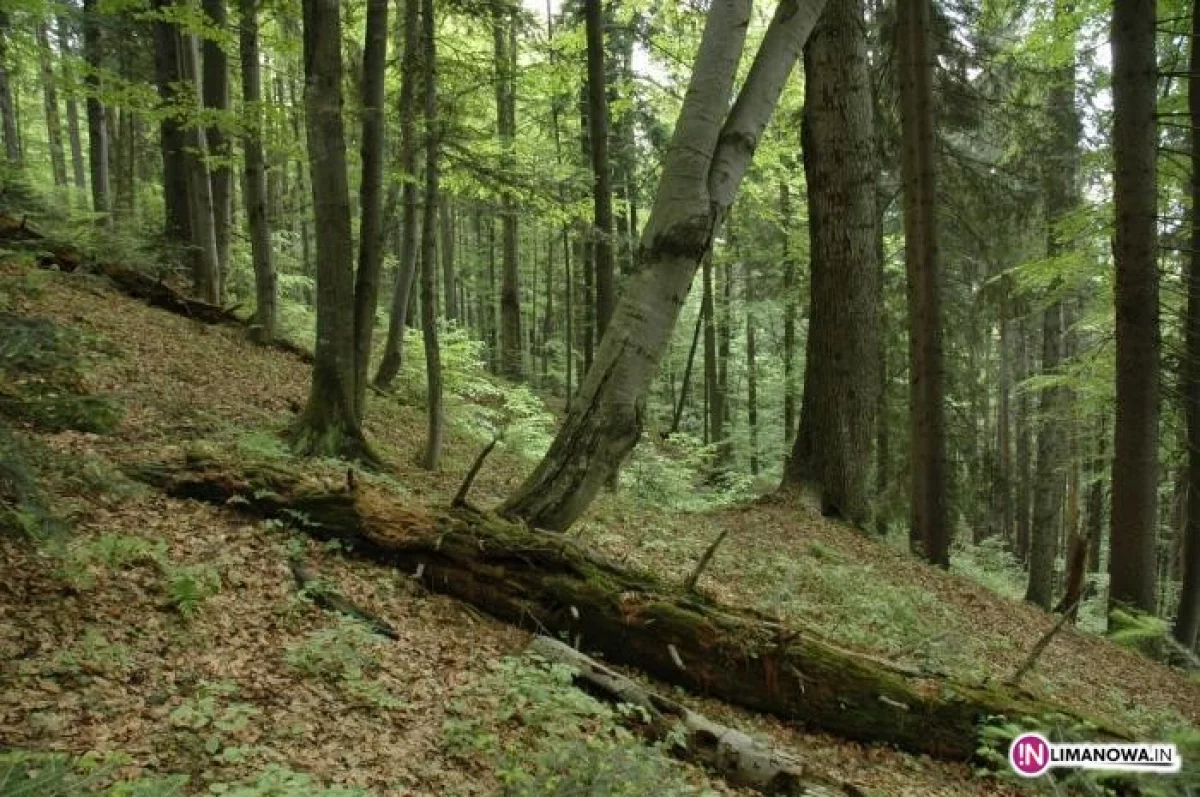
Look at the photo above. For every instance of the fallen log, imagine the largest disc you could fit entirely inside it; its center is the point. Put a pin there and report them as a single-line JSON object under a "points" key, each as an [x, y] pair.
{"points": [[737, 757], [547, 583]]}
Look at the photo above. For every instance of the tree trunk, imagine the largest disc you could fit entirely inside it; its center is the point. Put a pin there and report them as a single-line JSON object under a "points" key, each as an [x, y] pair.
{"points": [[704, 164], [1135, 461], [255, 190], [8, 110], [97, 126], [433, 362], [929, 525], [206, 264], [687, 374], [1095, 499], [1024, 446], [449, 280], [370, 228], [172, 141], [789, 315], [715, 429], [73, 136], [216, 98], [831, 457], [602, 214], [504, 34], [751, 369], [393, 353], [58, 158], [329, 425], [547, 581], [1187, 618]]}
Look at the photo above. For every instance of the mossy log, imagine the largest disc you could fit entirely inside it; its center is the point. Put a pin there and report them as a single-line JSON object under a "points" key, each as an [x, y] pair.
{"points": [[548, 584]]}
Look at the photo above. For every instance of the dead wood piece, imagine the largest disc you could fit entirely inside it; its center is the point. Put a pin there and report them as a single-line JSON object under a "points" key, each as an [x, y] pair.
{"points": [[709, 553], [731, 753], [460, 498], [333, 601], [549, 583]]}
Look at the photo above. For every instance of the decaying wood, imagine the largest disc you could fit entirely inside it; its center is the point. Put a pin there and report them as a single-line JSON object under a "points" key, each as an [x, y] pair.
{"points": [[547, 583], [331, 600], [1040, 647], [734, 755], [460, 498], [709, 553]]}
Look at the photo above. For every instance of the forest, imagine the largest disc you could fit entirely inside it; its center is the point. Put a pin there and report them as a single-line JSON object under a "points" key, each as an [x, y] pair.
{"points": [[567, 397]]}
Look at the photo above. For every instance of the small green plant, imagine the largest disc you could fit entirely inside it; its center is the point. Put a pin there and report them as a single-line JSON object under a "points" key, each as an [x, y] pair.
{"points": [[93, 654], [32, 774], [345, 655], [80, 561], [559, 740], [189, 587], [210, 717], [277, 781]]}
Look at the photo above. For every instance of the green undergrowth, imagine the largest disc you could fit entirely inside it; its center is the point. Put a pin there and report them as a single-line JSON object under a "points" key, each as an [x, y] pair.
{"points": [[538, 735]]}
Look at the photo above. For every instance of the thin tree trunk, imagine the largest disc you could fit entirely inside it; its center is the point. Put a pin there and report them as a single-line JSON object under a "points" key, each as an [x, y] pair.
{"points": [[172, 142], [504, 34], [1187, 618], [1024, 435], [751, 369], [790, 301], [704, 164], [206, 264], [433, 362], [370, 228], [255, 191], [393, 353], [929, 525], [1135, 462], [216, 98], [58, 159], [714, 430], [831, 457], [602, 213], [687, 374], [1095, 499], [73, 135], [450, 311], [97, 126], [8, 109]]}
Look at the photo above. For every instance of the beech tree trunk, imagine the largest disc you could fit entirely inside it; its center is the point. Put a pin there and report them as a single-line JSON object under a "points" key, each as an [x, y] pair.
{"points": [[58, 158], [1187, 618], [393, 353], [329, 425], [429, 266], [255, 190], [504, 34], [548, 583], [97, 126], [206, 263], [831, 457], [1135, 248], [370, 197], [216, 97], [703, 167], [929, 524]]}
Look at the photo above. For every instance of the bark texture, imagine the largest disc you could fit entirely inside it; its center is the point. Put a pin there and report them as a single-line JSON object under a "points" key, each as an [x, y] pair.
{"points": [[429, 265], [704, 164], [216, 98], [96, 115], [8, 111], [255, 189], [504, 34], [546, 582], [58, 158], [602, 212], [1135, 464], [831, 457]]}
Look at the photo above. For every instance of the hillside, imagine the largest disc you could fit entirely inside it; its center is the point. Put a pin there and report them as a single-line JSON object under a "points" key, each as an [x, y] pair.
{"points": [[99, 658]]}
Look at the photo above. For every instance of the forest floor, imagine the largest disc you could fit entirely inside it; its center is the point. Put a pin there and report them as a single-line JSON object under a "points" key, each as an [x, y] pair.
{"points": [[95, 658]]}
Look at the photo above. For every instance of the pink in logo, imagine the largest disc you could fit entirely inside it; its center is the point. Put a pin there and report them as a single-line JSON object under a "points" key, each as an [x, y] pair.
{"points": [[1029, 755]]}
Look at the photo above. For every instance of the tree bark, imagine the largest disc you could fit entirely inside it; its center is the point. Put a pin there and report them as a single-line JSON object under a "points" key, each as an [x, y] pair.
{"points": [[687, 374], [329, 425], [172, 141], [789, 315], [97, 126], [548, 582], [831, 457], [58, 158], [393, 353], [602, 213], [73, 136], [504, 34], [929, 524], [429, 266], [751, 369], [449, 279], [206, 264], [1187, 618], [216, 98], [715, 430], [255, 190], [1024, 447], [8, 111], [370, 197], [1135, 462], [704, 164]]}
